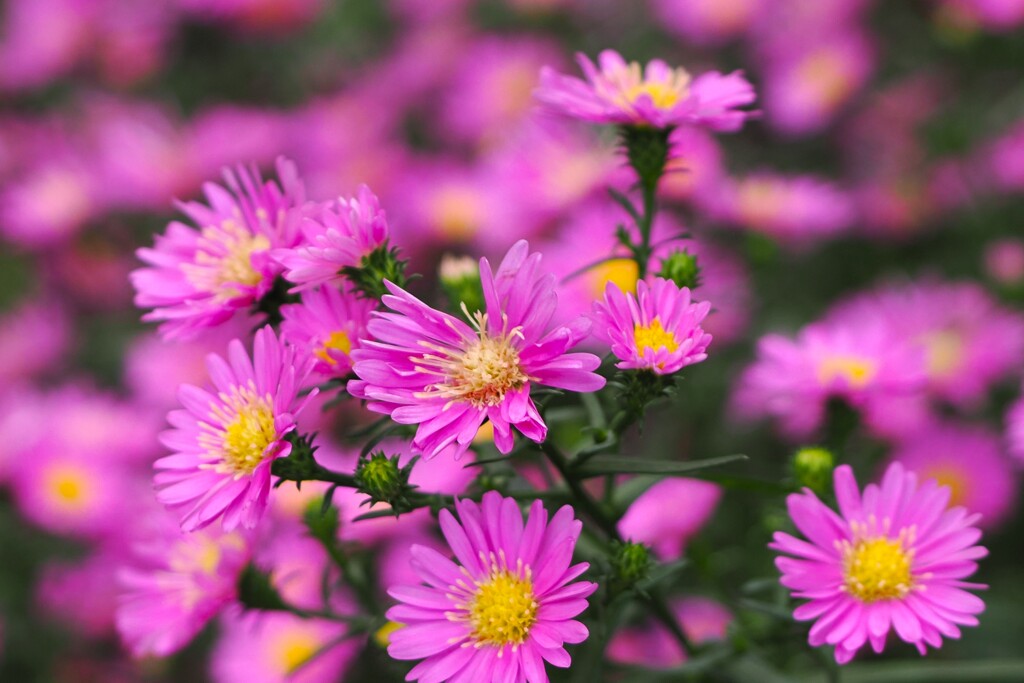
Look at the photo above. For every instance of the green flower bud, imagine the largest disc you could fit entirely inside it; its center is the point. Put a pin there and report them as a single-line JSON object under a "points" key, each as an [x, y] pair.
{"points": [[631, 562], [383, 481], [681, 268], [460, 279], [812, 467]]}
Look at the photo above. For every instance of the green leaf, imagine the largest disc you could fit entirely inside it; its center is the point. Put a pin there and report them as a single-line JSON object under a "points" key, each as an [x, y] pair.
{"points": [[599, 466], [624, 201], [935, 672]]}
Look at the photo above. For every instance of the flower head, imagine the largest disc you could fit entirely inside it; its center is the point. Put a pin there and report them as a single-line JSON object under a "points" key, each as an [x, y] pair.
{"points": [[894, 558], [327, 325], [508, 605], [658, 329], [431, 369], [177, 583], [657, 96], [224, 443], [200, 278], [338, 235]]}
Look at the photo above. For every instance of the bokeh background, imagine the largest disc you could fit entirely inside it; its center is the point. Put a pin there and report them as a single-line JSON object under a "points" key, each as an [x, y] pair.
{"points": [[890, 149]]}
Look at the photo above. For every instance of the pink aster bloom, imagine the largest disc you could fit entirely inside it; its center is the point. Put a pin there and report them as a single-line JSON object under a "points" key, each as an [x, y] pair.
{"points": [[177, 583], [338, 234], [507, 609], [970, 462], [865, 365], [200, 278], [652, 645], [667, 534], [224, 443], [431, 369], [657, 329], [892, 559], [327, 326], [657, 96]]}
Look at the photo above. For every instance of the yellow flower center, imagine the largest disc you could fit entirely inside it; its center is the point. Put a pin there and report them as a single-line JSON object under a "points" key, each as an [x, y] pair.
{"points": [[294, 649], [382, 636], [663, 95], [481, 373], [943, 352], [653, 337], [504, 609], [622, 272], [857, 372], [249, 429], [946, 475], [827, 74], [68, 487], [457, 212], [226, 260], [877, 569], [338, 341]]}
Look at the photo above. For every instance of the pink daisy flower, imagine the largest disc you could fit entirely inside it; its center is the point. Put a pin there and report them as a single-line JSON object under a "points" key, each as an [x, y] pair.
{"points": [[863, 364], [224, 443], [657, 96], [431, 369], [176, 584], [200, 278], [506, 610], [327, 326], [892, 559], [657, 329], [338, 234]]}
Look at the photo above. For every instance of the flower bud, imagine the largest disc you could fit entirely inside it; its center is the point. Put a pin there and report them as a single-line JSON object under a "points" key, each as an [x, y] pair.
{"points": [[380, 264], [383, 481], [812, 467], [681, 268], [460, 278], [631, 562]]}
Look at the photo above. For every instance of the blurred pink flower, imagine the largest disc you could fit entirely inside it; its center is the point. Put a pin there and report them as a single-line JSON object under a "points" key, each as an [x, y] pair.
{"points": [[708, 22], [669, 514], [1004, 261], [270, 16], [658, 95], [652, 645], [970, 462], [35, 337]]}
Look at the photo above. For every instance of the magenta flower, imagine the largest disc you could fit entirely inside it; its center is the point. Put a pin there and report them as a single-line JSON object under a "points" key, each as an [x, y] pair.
{"points": [[200, 278], [646, 522], [176, 584], [506, 610], [657, 96], [658, 329], [431, 369], [327, 326], [1015, 429], [224, 443], [337, 235], [892, 559]]}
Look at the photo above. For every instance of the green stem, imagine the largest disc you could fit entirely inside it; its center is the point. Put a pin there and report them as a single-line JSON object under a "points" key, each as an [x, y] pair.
{"points": [[642, 252], [580, 494], [665, 616]]}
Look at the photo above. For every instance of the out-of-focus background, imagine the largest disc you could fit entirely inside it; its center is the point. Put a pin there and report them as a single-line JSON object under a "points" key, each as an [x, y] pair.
{"points": [[889, 155]]}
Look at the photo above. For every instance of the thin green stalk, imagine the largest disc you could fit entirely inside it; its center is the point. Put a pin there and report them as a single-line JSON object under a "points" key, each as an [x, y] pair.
{"points": [[580, 494]]}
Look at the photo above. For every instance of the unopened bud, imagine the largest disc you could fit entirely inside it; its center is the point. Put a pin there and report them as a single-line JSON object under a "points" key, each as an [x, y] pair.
{"points": [[379, 477], [631, 562], [812, 467], [681, 268]]}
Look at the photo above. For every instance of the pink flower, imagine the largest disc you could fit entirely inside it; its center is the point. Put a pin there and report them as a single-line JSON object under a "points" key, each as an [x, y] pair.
{"points": [[224, 443], [200, 278], [657, 96], [863, 364], [657, 329], [652, 645], [177, 583], [509, 607], [431, 369], [327, 326], [338, 234], [968, 461], [892, 559], [667, 534], [708, 22], [1015, 429]]}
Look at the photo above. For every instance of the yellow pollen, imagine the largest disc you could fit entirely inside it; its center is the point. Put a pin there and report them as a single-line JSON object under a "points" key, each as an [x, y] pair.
{"points": [[382, 636], [653, 337], [338, 341], [503, 610], [943, 352], [877, 569], [857, 372], [248, 430], [68, 486], [663, 95], [481, 373], [294, 650], [622, 272], [224, 260]]}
